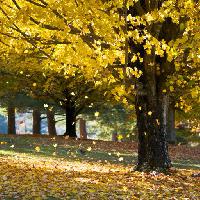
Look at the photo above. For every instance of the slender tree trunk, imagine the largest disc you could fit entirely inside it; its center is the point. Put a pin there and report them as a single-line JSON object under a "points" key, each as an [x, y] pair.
{"points": [[36, 122], [11, 120], [51, 123], [114, 137], [70, 120], [83, 132], [171, 132]]}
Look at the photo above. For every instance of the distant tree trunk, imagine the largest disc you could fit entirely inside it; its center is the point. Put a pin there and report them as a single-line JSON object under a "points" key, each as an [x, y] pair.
{"points": [[36, 122], [114, 137], [70, 111], [70, 119], [171, 132], [51, 123], [83, 132], [11, 120]]}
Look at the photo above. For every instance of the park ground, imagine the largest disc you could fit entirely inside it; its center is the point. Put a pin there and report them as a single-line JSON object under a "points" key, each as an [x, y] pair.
{"points": [[62, 168]]}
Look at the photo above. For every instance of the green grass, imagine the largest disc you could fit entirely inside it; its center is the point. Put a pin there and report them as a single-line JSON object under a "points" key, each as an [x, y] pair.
{"points": [[72, 151], [186, 136]]}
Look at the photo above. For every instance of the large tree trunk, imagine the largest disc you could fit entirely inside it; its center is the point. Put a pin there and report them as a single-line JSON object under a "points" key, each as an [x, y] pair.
{"points": [[152, 131], [83, 132], [171, 132], [152, 103], [152, 111], [11, 120], [36, 122], [51, 123]]}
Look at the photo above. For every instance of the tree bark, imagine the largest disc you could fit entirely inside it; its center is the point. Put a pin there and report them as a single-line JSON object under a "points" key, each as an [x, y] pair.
{"points": [[152, 131], [36, 122], [70, 120], [114, 137], [83, 132], [51, 123], [151, 103], [152, 112], [11, 120], [171, 132]]}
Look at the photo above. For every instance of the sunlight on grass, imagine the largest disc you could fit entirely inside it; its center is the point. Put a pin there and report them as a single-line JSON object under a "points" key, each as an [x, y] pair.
{"points": [[186, 165], [58, 178], [35, 168], [58, 163]]}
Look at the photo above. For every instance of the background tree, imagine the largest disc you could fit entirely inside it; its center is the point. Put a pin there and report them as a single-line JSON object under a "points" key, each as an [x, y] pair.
{"points": [[36, 121]]}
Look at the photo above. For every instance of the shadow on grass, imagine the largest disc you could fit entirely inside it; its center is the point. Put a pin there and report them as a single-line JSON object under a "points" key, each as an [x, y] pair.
{"points": [[186, 164], [74, 152], [70, 153]]}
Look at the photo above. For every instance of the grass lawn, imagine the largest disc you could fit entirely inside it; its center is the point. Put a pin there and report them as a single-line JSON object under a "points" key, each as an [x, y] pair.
{"points": [[59, 168]]}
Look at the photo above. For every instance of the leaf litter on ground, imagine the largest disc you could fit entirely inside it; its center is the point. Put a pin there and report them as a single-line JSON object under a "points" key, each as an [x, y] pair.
{"points": [[26, 175]]}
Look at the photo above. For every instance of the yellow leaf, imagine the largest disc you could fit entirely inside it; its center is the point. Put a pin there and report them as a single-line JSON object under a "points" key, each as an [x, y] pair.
{"points": [[96, 114], [120, 137], [157, 121], [3, 142], [171, 88], [66, 137], [37, 149], [125, 188], [89, 148], [121, 159], [134, 58]]}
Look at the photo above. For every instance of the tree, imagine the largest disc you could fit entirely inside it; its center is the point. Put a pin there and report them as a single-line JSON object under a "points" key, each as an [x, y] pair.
{"points": [[149, 47], [11, 120], [83, 131], [171, 132], [49, 87], [51, 122], [158, 56], [36, 121], [68, 95], [116, 120]]}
